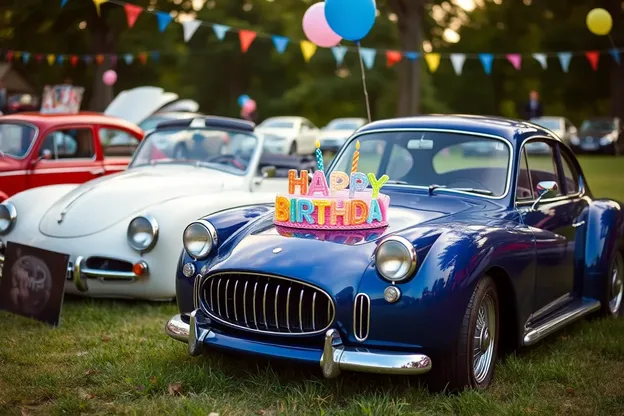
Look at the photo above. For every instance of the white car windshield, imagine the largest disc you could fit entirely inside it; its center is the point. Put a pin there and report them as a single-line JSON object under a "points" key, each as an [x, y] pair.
{"points": [[16, 139], [277, 124], [598, 125], [549, 123], [344, 125], [230, 151], [464, 162]]}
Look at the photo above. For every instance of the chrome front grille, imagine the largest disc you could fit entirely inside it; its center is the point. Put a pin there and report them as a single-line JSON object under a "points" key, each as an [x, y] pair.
{"points": [[361, 316], [266, 303]]}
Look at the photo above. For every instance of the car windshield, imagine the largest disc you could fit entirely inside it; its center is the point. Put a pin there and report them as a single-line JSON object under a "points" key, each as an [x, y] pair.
{"points": [[599, 125], [465, 162], [225, 150], [150, 123], [549, 123], [343, 125], [16, 139], [277, 124]]}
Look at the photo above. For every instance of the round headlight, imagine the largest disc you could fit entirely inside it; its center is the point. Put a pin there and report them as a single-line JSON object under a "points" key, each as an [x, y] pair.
{"points": [[142, 233], [395, 259], [8, 215], [199, 238]]}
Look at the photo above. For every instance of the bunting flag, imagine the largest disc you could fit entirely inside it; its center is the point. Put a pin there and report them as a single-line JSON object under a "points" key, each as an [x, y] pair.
{"points": [[132, 13], [308, 49], [458, 60], [9, 56], [339, 53], [593, 57], [128, 58], [142, 57], [73, 60], [51, 58], [412, 56], [99, 59], [98, 4], [25, 57], [220, 31], [63, 3], [393, 57], [190, 27], [486, 60], [280, 43], [246, 38], [368, 56], [433, 61], [564, 60], [541, 58], [616, 55], [112, 59], [163, 20], [515, 59], [59, 59], [88, 59]]}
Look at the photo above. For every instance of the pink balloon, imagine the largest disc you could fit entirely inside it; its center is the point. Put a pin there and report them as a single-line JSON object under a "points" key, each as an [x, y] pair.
{"points": [[249, 106], [317, 29], [109, 77]]}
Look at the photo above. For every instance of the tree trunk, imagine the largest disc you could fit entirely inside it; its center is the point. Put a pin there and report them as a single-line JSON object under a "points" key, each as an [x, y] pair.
{"points": [[617, 71], [104, 42]]}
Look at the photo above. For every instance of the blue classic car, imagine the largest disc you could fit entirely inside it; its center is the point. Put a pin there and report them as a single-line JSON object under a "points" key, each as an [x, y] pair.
{"points": [[480, 255]]}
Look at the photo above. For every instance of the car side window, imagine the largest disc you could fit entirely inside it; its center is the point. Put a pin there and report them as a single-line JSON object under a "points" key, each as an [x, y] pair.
{"points": [[116, 142], [570, 173], [69, 144], [524, 188], [542, 164]]}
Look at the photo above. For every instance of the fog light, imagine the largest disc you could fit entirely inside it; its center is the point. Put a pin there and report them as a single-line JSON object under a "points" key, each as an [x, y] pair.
{"points": [[140, 268], [188, 270], [392, 294]]}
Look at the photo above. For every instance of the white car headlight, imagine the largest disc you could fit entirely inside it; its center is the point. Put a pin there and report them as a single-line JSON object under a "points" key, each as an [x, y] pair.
{"points": [[143, 233], [605, 140], [8, 216], [395, 259], [199, 238]]}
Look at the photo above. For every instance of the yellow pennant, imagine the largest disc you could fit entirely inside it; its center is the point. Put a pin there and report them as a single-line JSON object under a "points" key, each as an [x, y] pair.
{"points": [[433, 61], [17, 54], [98, 3], [308, 49], [51, 58]]}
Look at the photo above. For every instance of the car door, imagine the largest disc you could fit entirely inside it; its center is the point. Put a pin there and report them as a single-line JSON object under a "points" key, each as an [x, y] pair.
{"points": [[66, 155], [117, 147], [552, 221]]}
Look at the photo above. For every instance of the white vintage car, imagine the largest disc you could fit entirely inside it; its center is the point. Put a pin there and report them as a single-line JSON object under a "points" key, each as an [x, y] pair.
{"points": [[123, 231]]}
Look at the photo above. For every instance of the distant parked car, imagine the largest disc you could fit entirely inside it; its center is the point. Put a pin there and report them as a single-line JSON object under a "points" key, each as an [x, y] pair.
{"points": [[337, 131], [599, 135], [561, 126], [19, 103], [289, 135]]}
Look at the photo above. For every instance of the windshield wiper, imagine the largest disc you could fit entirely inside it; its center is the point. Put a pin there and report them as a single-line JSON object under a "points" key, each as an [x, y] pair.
{"points": [[471, 190]]}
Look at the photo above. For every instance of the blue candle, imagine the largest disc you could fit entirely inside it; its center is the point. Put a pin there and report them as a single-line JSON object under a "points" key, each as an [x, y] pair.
{"points": [[319, 156]]}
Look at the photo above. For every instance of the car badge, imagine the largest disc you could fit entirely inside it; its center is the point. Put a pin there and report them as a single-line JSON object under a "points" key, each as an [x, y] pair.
{"points": [[61, 216], [277, 250]]}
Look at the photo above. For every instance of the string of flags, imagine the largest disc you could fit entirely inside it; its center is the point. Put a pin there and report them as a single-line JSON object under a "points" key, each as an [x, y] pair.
{"points": [[308, 49]]}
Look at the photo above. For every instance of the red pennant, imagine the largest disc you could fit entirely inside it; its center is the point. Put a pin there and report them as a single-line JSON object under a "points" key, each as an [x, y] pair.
{"points": [[99, 59], [246, 38], [73, 60], [593, 57], [113, 60], [132, 13], [9, 56], [393, 57], [143, 57], [39, 58]]}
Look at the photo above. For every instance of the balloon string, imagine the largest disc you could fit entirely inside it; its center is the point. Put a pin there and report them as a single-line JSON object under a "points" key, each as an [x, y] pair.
{"points": [[368, 111]]}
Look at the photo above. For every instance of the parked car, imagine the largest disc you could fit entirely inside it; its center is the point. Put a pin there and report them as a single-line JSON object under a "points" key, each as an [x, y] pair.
{"points": [[122, 232], [19, 103], [478, 255], [290, 135], [561, 126], [45, 149], [337, 131], [599, 135]]}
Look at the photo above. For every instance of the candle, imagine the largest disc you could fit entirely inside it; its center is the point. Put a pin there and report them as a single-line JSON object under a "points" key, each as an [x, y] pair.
{"points": [[356, 157], [319, 156]]}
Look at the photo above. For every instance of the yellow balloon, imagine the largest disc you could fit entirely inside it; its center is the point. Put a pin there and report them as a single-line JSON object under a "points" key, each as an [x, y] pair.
{"points": [[599, 22]]}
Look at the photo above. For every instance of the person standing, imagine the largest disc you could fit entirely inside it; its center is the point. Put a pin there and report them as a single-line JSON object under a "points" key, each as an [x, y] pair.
{"points": [[534, 107]]}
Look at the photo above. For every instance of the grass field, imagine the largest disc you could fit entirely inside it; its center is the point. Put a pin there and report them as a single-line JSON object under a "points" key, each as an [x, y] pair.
{"points": [[112, 357]]}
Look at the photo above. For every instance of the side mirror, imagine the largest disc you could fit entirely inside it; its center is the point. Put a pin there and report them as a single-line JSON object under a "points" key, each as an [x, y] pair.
{"points": [[545, 190], [46, 154], [572, 130], [269, 171]]}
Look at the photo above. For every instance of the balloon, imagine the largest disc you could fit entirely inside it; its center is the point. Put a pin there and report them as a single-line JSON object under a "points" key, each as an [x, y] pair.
{"points": [[109, 77], [249, 106], [599, 22], [317, 29], [242, 99], [351, 19]]}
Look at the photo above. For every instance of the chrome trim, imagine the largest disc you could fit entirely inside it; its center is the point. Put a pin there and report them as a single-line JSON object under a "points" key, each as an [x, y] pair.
{"points": [[275, 308], [12, 216], [80, 275], [532, 335], [578, 224], [558, 303], [245, 304], [210, 229], [300, 310], [510, 165], [235, 313], [288, 309], [357, 330], [254, 306], [196, 285], [266, 287], [227, 310], [153, 224], [313, 311], [218, 303], [412, 253]]}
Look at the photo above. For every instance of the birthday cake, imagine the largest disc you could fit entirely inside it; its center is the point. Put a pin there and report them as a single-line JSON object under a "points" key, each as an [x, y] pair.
{"points": [[344, 202]]}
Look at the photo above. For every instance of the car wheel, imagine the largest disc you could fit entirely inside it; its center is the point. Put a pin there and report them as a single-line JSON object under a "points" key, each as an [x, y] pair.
{"points": [[470, 363], [614, 291], [293, 148]]}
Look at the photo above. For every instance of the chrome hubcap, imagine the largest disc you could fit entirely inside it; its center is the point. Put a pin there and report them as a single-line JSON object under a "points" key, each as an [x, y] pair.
{"points": [[617, 286], [483, 339]]}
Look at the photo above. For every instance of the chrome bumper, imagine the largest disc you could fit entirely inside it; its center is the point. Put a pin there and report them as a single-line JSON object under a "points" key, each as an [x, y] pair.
{"points": [[79, 274], [336, 357]]}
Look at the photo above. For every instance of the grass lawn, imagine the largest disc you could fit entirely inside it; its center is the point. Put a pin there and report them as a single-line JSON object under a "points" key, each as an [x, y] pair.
{"points": [[112, 357]]}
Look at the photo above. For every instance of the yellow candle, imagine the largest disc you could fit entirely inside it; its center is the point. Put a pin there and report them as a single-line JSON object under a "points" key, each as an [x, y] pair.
{"points": [[356, 157]]}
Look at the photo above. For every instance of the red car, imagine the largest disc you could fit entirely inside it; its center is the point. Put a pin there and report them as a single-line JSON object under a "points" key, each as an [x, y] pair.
{"points": [[47, 149]]}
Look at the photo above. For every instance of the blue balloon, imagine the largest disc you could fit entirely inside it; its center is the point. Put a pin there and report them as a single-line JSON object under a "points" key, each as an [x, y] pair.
{"points": [[351, 19], [243, 99]]}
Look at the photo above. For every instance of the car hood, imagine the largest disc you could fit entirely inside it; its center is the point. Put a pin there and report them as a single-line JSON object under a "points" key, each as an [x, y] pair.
{"points": [[8, 164], [276, 131], [137, 104], [101, 203]]}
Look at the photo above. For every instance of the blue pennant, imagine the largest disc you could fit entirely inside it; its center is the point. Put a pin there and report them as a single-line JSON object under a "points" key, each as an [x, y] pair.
{"points": [[128, 58], [615, 53], [155, 56], [88, 59], [163, 20], [412, 56], [220, 30], [564, 60], [25, 57], [63, 3], [339, 53], [59, 59], [280, 43], [487, 59], [368, 56]]}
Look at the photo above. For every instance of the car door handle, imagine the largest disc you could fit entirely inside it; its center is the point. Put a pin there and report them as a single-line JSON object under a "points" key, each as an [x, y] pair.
{"points": [[578, 224], [98, 172]]}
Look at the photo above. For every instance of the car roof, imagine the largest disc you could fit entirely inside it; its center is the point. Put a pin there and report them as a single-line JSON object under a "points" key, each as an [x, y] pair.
{"points": [[286, 118], [491, 125], [84, 117]]}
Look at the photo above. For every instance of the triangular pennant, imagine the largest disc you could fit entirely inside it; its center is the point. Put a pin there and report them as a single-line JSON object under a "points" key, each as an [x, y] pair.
{"points": [[60, 59], [280, 43], [412, 56], [155, 55], [99, 59], [393, 57], [220, 30], [190, 27], [368, 56], [458, 60], [163, 20], [25, 57], [593, 57], [51, 58], [615, 53], [515, 59], [63, 3], [9, 56], [143, 57], [87, 59], [308, 49], [17, 54], [39, 58], [246, 38], [541, 58], [99, 3], [339, 53], [564, 60], [73, 60], [486, 60], [132, 13], [128, 58], [433, 61], [113, 60]]}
